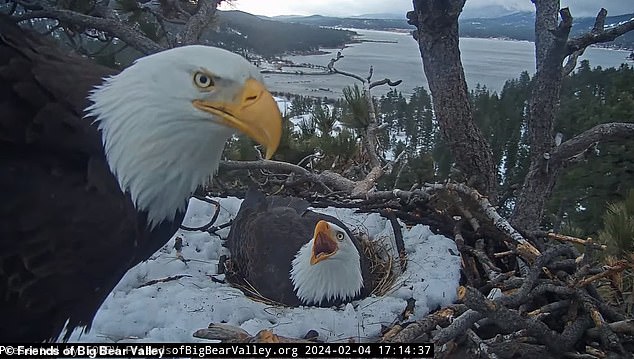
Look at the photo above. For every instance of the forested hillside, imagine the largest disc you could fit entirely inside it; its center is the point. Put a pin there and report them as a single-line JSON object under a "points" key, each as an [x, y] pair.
{"points": [[589, 97], [239, 31]]}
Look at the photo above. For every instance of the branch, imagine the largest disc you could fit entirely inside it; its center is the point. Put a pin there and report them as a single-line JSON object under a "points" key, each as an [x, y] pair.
{"points": [[199, 21], [331, 68], [609, 270], [525, 249], [511, 320], [599, 33], [571, 64], [385, 81], [231, 334], [584, 242], [326, 178], [602, 132], [115, 27]]}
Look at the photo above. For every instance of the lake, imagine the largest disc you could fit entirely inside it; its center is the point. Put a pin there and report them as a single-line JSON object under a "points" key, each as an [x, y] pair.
{"points": [[486, 61]]}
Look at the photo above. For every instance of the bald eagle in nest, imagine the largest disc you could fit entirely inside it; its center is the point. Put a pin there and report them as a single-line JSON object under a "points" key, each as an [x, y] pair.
{"points": [[285, 253], [96, 167]]}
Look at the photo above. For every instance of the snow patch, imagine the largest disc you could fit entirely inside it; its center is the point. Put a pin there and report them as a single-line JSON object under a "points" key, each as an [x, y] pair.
{"points": [[172, 311]]}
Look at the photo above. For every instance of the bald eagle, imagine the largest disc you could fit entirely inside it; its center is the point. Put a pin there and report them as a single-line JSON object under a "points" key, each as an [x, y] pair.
{"points": [[96, 167], [295, 256]]}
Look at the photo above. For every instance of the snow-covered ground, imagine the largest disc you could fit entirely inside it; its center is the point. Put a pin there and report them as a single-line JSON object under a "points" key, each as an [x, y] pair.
{"points": [[172, 311], [283, 104]]}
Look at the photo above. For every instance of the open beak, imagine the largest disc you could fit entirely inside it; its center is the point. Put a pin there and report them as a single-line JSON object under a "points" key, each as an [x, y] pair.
{"points": [[254, 113], [324, 244]]}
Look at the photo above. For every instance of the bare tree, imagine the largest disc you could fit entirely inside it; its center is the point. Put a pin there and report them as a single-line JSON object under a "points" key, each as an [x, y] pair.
{"points": [[553, 45], [437, 35]]}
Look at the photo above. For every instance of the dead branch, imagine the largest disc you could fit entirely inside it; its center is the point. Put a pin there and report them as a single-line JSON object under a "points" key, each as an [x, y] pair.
{"points": [[621, 327], [458, 327], [550, 308], [331, 67], [584, 242], [163, 280], [599, 33], [527, 250], [609, 270], [414, 330], [327, 178], [232, 334], [213, 219], [385, 82], [222, 332], [603, 132], [510, 320], [571, 63], [482, 346]]}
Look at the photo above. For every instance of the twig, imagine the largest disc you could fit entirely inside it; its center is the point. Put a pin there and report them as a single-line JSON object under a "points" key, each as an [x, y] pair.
{"points": [[164, 280], [586, 242], [524, 248], [617, 267], [385, 82], [213, 219]]}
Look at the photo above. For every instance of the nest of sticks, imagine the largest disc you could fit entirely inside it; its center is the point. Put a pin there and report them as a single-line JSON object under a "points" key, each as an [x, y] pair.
{"points": [[522, 294]]}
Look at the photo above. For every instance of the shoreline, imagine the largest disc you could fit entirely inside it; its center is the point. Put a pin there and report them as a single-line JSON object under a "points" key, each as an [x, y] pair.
{"points": [[406, 32]]}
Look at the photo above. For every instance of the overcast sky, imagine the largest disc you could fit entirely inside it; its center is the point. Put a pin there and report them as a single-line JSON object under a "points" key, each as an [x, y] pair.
{"points": [[359, 7]]}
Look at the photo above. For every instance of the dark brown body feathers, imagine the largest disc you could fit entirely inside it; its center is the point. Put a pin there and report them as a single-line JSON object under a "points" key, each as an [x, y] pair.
{"points": [[68, 234]]}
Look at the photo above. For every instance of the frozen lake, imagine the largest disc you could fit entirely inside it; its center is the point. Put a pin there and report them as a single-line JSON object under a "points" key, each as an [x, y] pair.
{"points": [[486, 61]]}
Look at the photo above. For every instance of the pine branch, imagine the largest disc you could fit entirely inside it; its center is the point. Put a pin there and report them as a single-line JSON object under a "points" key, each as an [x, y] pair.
{"points": [[113, 26]]}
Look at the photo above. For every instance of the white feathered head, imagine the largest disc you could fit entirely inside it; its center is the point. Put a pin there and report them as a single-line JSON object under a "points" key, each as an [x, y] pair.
{"points": [[328, 267]]}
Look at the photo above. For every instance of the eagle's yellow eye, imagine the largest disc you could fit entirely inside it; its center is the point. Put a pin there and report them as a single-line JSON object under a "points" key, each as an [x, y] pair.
{"points": [[202, 80]]}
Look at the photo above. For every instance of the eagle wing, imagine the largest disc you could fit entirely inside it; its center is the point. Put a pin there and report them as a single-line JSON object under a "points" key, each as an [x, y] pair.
{"points": [[264, 238]]}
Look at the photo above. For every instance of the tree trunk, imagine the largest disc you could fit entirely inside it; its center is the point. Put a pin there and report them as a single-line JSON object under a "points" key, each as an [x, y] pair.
{"points": [[437, 36], [550, 46], [199, 21]]}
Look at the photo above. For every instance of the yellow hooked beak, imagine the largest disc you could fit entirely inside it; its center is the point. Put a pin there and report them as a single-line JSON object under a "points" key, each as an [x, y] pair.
{"points": [[324, 244], [254, 113]]}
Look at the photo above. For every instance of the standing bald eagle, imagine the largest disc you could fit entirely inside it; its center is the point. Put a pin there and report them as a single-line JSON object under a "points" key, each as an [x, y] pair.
{"points": [[85, 199], [295, 256]]}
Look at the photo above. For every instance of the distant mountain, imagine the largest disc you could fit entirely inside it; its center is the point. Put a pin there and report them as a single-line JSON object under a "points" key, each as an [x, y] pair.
{"points": [[283, 17], [351, 22], [520, 26], [485, 12], [517, 25], [384, 15], [242, 32]]}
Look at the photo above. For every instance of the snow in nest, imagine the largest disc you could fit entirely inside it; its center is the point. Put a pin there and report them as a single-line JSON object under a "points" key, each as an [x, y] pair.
{"points": [[172, 311]]}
